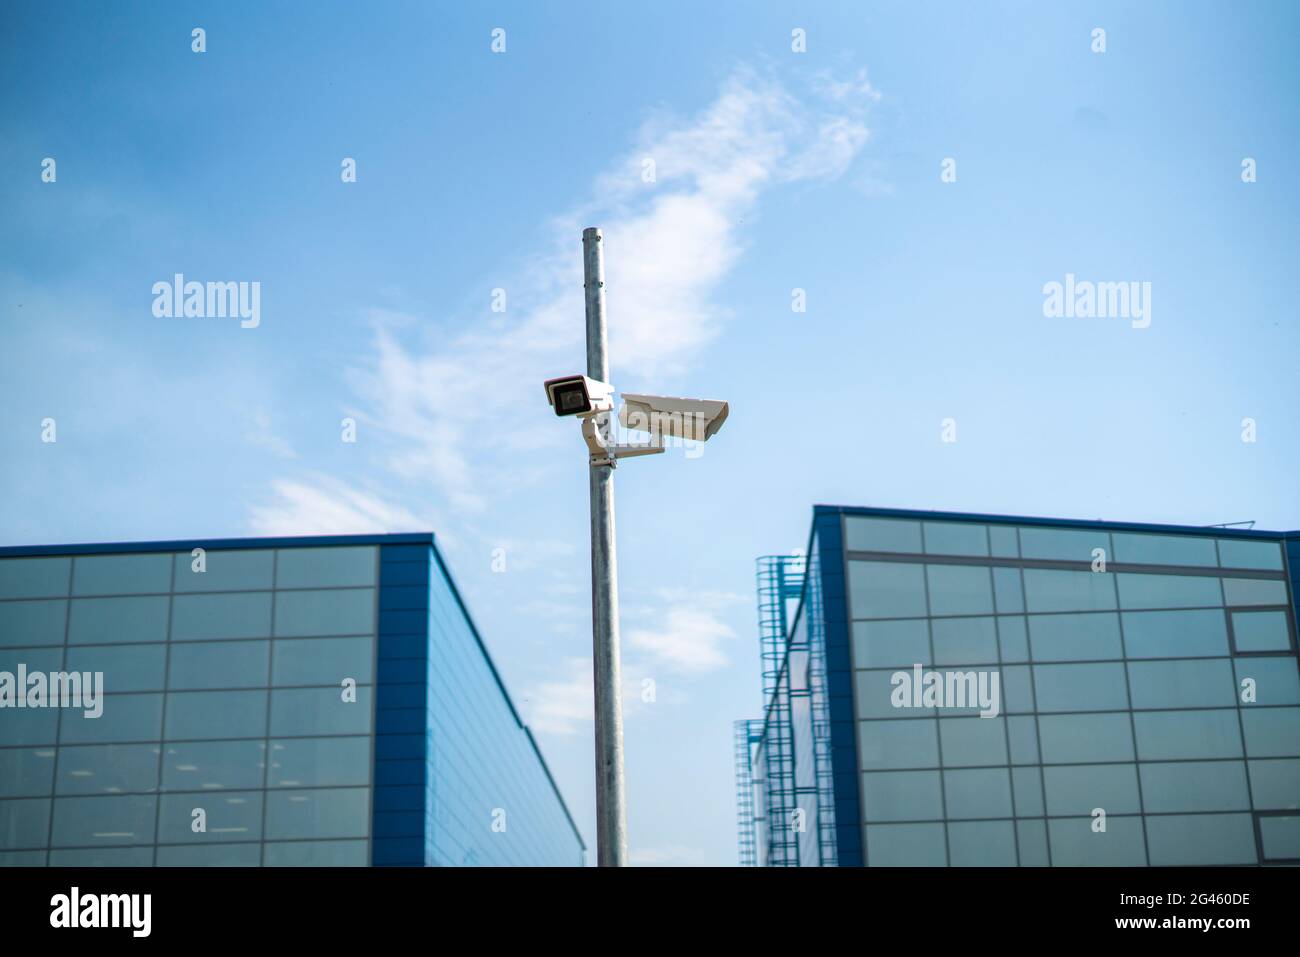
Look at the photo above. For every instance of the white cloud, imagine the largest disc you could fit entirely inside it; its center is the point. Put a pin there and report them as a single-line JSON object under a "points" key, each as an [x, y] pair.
{"points": [[668, 856], [691, 637], [669, 244], [564, 705], [325, 506]]}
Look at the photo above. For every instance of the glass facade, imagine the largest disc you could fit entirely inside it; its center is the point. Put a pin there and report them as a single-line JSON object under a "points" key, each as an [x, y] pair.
{"points": [[293, 702], [1143, 681]]}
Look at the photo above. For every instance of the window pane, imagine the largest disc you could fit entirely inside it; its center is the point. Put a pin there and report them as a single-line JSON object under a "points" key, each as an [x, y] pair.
{"points": [[982, 844], [32, 622], [1275, 784], [317, 661], [1276, 679], [1027, 789], [902, 796], [960, 590], [34, 577], [102, 857], [1075, 637], [1254, 591], [1201, 839], [1003, 541], [1077, 789], [1079, 738], [1013, 639], [1280, 836], [36, 659], [1049, 590], [108, 769], [972, 741], [320, 762], [955, 538], [24, 823], [126, 717], [1075, 844], [110, 620], [231, 816], [906, 845], [220, 664], [26, 772], [31, 726], [964, 641], [875, 691], [1241, 553], [1080, 687], [1168, 591], [121, 574], [345, 612], [1007, 591], [233, 615], [213, 765], [1195, 786], [226, 569], [212, 855], [1272, 732], [1017, 690], [125, 667], [88, 821], [1175, 634], [898, 744], [977, 792], [1068, 544], [216, 714], [1260, 631], [891, 643], [1032, 838], [881, 535], [887, 590], [325, 567], [338, 812], [1024, 740], [317, 854], [1164, 735], [298, 711], [1202, 683], [1139, 549]]}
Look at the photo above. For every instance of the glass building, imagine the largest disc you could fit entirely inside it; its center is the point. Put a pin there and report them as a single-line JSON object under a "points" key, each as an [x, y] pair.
{"points": [[275, 702], [1143, 681]]}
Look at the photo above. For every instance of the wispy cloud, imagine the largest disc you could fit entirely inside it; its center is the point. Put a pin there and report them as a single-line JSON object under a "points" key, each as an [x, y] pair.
{"points": [[457, 409], [320, 505], [690, 636]]}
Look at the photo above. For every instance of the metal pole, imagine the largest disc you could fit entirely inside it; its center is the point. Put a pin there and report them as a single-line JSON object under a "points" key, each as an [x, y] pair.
{"points": [[611, 812]]}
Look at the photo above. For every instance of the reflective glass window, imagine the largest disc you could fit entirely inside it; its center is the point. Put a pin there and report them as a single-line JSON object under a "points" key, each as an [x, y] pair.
{"points": [[101, 857], [216, 714], [1170, 735], [955, 538], [902, 796], [1260, 631], [1090, 636], [1275, 783], [960, 590], [977, 792], [906, 845], [881, 535], [1244, 553], [212, 765], [325, 567], [113, 620], [875, 695], [1254, 591], [1085, 687], [972, 741], [1277, 680], [108, 769], [1078, 788], [126, 717], [1175, 634], [982, 844], [1080, 738], [1280, 835], [1051, 590], [1195, 786], [226, 569], [887, 590], [1203, 839], [26, 772], [1003, 542], [964, 641], [1023, 738], [1031, 836], [219, 664], [121, 574], [24, 823], [317, 854], [299, 711], [227, 816], [1199, 683], [1142, 549], [319, 762], [1027, 789], [1017, 690], [898, 744], [327, 661], [34, 577], [88, 821], [32, 622], [1271, 732], [1062, 544], [348, 611], [230, 615], [1168, 591], [1076, 844], [330, 813], [125, 667], [209, 855], [1010, 597], [1013, 639]]}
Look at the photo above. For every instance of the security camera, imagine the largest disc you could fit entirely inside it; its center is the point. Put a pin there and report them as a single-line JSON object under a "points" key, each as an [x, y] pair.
{"points": [[579, 395], [661, 415]]}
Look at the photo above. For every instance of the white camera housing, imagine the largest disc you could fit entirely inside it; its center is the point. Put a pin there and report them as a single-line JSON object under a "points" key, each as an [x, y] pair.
{"points": [[579, 395], [662, 415]]}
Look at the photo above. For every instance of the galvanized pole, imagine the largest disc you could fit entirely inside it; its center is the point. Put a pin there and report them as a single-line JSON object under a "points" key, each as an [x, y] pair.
{"points": [[611, 812]]}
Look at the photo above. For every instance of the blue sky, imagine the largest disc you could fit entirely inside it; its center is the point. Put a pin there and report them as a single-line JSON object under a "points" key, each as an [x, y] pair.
{"points": [[775, 171]]}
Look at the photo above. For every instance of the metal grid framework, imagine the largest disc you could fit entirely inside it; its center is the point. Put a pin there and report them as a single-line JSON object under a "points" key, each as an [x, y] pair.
{"points": [[821, 719], [748, 732]]}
